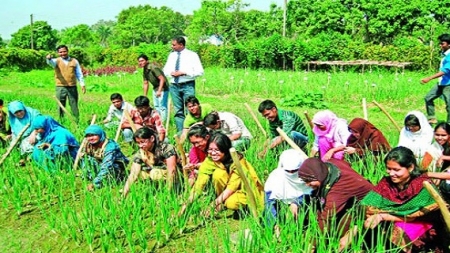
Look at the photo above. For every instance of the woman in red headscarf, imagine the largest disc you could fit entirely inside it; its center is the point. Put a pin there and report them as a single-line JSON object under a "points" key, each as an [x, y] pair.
{"points": [[364, 138]]}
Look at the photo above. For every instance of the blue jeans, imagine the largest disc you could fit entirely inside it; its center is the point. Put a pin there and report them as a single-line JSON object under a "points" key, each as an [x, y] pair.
{"points": [[161, 104], [436, 92], [299, 139], [179, 93]]}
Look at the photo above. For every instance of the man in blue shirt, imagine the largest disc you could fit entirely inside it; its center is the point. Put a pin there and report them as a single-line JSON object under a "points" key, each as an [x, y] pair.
{"points": [[442, 88]]}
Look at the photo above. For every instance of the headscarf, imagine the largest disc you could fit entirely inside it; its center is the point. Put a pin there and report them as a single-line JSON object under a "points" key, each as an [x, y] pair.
{"points": [[96, 130], [313, 169], [324, 118], [18, 124], [330, 137], [420, 141], [369, 136], [283, 185], [47, 123]]}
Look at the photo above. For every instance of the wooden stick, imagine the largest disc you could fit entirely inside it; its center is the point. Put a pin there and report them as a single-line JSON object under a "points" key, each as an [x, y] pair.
{"points": [[82, 146], [248, 189], [256, 120], [441, 203], [168, 116], [309, 120], [291, 142], [364, 105], [14, 143], [65, 110], [127, 115], [387, 114], [182, 154], [116, 138]]}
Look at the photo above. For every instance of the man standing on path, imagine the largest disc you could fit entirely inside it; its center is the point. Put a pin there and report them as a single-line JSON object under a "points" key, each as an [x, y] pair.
{"points": [[67, 72], [154, 75], [442, 88], [183, 66]]}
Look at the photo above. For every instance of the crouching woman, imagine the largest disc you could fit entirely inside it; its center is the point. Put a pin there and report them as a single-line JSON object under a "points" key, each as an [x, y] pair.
{"points": [[103, 161], [227, 182], [400, 199], [155, 160]]}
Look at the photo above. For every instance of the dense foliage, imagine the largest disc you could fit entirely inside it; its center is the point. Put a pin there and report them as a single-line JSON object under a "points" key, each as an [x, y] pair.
{"points": [[314, 30]]}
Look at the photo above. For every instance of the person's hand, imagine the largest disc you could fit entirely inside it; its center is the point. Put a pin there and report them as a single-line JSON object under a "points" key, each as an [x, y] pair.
{"points": [[294, 209], [373, 221], [44, 146], [90, 187], [158, 94], [48, 57], [439, 162], [83, 89], [349, 150], [328, 155], [182, 210], [32, 139], [9, 136], [189, 167], [425, 80]]}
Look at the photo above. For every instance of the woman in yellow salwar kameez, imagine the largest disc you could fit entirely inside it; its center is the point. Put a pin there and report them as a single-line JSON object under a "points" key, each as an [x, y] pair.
{"points": [[227, 182]]}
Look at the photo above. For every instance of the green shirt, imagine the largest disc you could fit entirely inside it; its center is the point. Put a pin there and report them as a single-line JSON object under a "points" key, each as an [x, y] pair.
{"points": [[288, 121], [151, 73], [190, 120]]}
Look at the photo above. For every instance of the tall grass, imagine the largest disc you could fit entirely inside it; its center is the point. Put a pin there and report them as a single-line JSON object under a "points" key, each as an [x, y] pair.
{"points": [[147, 220]]}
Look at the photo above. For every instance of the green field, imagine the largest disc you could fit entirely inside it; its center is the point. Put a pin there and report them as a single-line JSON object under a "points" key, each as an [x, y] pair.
{"points": [[41, 212]]}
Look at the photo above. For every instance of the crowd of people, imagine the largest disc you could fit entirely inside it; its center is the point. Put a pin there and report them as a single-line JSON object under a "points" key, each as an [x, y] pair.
{"points": [[399, 204]]}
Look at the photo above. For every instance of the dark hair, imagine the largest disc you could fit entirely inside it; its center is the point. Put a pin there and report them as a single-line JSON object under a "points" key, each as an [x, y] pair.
{"points": [[145, 133], [1, 102], [62, 46], [444, 37], [198, 130], [191, 99], [224, 144], [443, 125], [412, 120], [116, 96], [405, 158], [141, 101], [143, 56], [211, 119], [180, 40], [266, 105]]}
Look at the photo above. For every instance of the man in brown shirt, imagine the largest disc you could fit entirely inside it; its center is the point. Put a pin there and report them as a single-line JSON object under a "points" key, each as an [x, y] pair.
{"points": [[67, 72]]}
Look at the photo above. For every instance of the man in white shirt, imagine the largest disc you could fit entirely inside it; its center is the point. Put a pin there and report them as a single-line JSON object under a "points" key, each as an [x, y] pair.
{"points": [[183, 66], [232, 126], [115, 115]]}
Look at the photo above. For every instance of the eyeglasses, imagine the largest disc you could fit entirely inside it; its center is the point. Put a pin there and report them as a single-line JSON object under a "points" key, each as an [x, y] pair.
{"points": [[214, 151]]}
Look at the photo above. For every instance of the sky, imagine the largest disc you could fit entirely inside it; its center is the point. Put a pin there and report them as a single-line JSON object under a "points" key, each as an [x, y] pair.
{"points": [[60, 14]]}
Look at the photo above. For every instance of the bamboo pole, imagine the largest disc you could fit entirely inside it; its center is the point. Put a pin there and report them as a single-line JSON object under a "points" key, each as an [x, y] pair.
{"points": [[182, 154], [248, 189], [168, 116], [65, 110], [256, 120], [387, 114], [364, 106], [310, 123], [116, 138], [441, 203], [82, 146], [130, 120], [14, 143], [291, 142]]}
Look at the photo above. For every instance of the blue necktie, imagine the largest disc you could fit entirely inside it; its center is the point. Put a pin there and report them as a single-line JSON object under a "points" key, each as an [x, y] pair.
{"points": [[177, 67]]}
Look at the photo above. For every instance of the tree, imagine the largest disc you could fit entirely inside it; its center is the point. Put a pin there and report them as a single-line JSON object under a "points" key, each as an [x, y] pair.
{"points": [[2, 43], [78, 36], [44, 37], [147, 24], [103, 29]]}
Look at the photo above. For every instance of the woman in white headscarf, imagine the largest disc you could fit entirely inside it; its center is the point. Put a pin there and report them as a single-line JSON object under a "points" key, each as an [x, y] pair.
{"points": [[417, 135], [284, 187]]}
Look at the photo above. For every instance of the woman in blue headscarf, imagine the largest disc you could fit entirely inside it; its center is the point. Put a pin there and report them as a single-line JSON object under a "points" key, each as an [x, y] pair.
{"points": [[19, 116], [103, 161], [56, 143]]}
